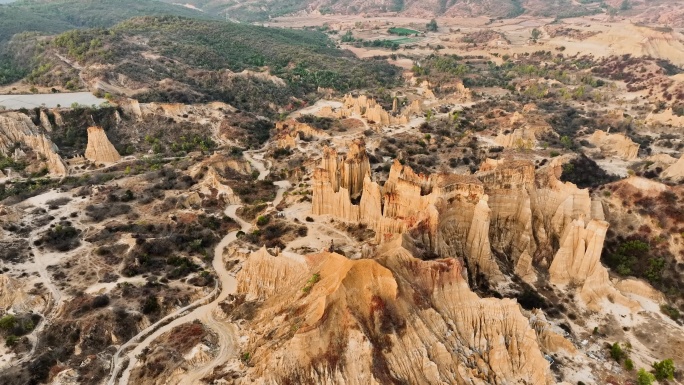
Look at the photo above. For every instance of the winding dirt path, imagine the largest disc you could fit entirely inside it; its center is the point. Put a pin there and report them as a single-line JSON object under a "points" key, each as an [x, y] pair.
{"points": [[205, 309], [41, 260], [205, 313]]}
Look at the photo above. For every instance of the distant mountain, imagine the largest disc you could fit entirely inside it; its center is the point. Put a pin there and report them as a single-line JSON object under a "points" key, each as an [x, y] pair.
{"points": [[262, 9], [658, 11]]}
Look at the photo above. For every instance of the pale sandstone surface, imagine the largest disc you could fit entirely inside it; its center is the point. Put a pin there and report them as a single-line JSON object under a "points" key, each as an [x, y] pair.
{"points": [[14, 296], [372, 321], [676, 171], [100, 149], [640, 288], [617, 145], [451, 211], [289, 132], [212, 184], [454, 215], [665, 117]]}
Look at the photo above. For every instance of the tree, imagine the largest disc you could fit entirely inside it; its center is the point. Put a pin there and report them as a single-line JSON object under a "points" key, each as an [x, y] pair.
{"points": [[644, 377], [625, 6], [629, 364], [432, 26], [536, 34], [664, 369]]}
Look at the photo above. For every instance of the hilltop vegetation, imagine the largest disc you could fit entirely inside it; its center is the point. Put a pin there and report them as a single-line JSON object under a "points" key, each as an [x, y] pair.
{"points": [[55, 16], [188, 60], [62, 15]]}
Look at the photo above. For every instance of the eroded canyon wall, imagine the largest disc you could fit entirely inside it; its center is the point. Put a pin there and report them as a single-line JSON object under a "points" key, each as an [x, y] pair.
{"points": [[393, 318], [506, 216]]}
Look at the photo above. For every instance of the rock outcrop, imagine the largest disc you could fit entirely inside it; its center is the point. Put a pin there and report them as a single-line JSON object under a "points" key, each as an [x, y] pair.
{"points": [[665, 117], [14, 296], [369, 109], [522, 130], [617, 145], [100, 149], [16, 128], [289, 132], [212, 185], [676, 171], [549, 337], [578, 262], [391, 319]]}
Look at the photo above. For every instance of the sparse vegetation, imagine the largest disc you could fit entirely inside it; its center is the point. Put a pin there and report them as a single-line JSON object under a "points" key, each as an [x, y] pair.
{"points": [[311, 282], [670, 311], [644, 377]]}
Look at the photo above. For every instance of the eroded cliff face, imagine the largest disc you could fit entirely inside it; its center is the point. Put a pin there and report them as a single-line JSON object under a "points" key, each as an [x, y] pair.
{"points": [[17, 128], [214, 186], [577, 262], [506, 217], [448, 214], [16, 297], [100, 149], [393, 318]]}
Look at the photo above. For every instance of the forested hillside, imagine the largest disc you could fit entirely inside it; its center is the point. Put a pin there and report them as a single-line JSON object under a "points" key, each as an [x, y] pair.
{"points": [[55, 16], [264, 9], [175, 59]]}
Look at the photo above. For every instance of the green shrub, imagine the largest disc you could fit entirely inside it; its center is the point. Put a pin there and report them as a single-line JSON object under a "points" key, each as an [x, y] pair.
{"points": [[670, 311], [7, 322], [644, 377], [664, 369], [263, 220], [617, 353], [11, 340], [624, 260], [629, 364]]}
